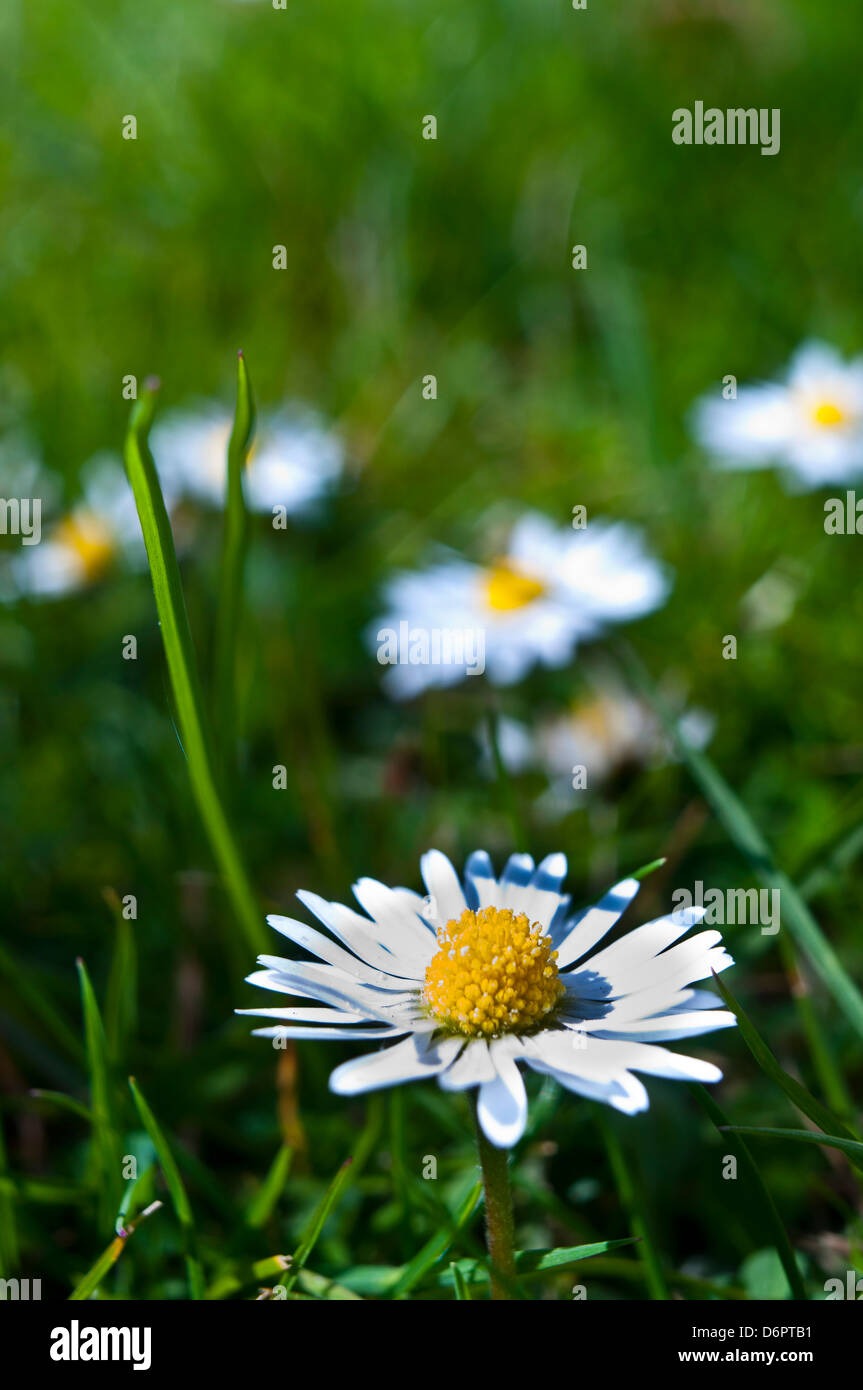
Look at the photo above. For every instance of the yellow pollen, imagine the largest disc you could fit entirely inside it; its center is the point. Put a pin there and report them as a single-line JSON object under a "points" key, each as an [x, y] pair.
{"points": [[828, 414], [493, 973], [90, 540], [507, 589]]}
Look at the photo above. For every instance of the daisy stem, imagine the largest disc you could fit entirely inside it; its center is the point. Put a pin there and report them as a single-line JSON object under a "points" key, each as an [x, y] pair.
{"points": [[499, 1224]]}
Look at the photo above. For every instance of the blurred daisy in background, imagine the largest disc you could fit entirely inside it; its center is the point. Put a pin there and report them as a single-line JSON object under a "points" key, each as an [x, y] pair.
{"points": [[101, 530], [294, 458], [485, 975], [811, 423], [552, 588], [607, 733]]}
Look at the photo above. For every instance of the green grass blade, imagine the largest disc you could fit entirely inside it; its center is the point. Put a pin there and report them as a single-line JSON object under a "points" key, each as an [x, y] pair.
{"points": [[435, 1248], [824, 1061], [139, 1190], [833, 864], [182, 668], [106, 1261], [180, 1200], [462, 1290], [121, 996], [796, 1093], [773, 1219], [648, 868], [261, 1207], [29, 991], [745, 834], [316, 1225], [106, 1148], [65, 1103], [630, 1198], [230, 611], [852, 1147], [10, 1253], [270, 1266]]}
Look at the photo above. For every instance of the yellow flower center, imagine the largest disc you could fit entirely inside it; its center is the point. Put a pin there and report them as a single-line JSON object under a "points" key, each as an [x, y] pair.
{"points": [[493, 973], [507, 589], [90, 540], [828, 414]]}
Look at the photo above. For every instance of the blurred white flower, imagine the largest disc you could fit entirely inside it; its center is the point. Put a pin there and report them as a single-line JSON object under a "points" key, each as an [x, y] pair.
{"points": [[603, 733], [293, 461], [811, 423], [552, 588], [85, 544]]}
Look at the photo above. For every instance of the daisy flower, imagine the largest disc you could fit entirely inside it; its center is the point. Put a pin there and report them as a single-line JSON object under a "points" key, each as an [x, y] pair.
{"points": [[605, 733], [84, 545], [487, 975], [552, 588], [293, 459], [811, 423]]}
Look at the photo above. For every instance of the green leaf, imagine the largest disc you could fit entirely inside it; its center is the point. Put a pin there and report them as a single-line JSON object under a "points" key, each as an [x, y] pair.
{"points": [[372, 1280], [763, 1277], [182, 668], [797, 1094], [531, 1263], [773, 1219], [852, 1147], [172, 1177], [327, 1289], [229, 614], [261, 1206], [745, 834]]}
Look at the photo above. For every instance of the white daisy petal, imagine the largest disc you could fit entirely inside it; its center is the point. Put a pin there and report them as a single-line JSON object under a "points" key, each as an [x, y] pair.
{"points": [[444, 886], [328, 1034], [645, 942], [321, 946], [331, 986], [502, 1103], [384, 906], [668, 1029], [365, 938], [292, 1014], [658, 1061], [681, 965], [410, 1060], [591, 925], [471, 1068]]}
